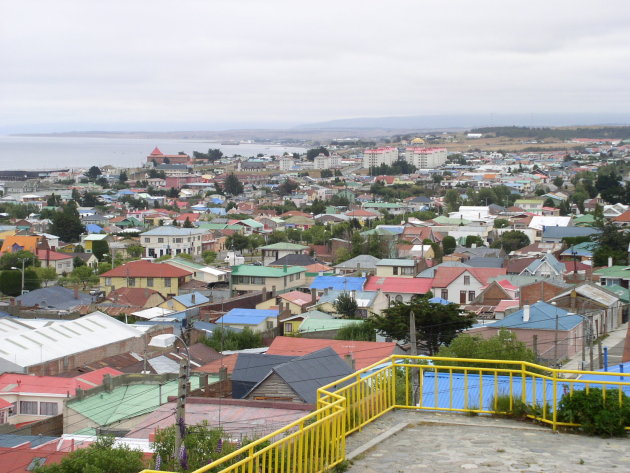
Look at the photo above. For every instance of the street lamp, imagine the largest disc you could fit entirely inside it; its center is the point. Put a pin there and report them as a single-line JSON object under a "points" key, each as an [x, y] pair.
{"points": [[21, 271], [167, 340]]}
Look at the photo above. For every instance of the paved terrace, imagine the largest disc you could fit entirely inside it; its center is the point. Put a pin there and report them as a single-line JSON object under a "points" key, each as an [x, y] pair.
{"points": [[447, 443]]}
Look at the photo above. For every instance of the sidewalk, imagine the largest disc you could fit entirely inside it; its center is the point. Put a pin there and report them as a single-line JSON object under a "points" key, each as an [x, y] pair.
{"points": [[615, 342]]}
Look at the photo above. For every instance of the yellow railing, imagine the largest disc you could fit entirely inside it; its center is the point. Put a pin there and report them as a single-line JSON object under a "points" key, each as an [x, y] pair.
{"points": [[316, 442]]}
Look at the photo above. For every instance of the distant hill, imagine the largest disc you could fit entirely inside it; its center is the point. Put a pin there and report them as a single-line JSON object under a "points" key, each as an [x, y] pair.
{"points": [[441, 122]]}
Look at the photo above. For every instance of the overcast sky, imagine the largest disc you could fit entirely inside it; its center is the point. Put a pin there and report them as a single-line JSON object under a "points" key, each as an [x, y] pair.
{"points": [[234, 62]]}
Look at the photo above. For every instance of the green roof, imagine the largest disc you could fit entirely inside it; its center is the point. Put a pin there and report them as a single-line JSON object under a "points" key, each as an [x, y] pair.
{"points": [[382, 205], [621, 292], [213, 226], [378, 231], [587, 219], [614, 272], [450, 221], [283, 246], [265, 271], [125, 402], [252, 223], [186, 262]]}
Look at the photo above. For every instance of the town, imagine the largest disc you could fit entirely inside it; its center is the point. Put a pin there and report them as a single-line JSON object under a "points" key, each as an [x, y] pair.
{"points": [[198, 303]]}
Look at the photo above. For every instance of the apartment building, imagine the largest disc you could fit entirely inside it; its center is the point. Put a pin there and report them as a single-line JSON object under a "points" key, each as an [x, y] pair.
{"points": [[378, 156], [425, 158], [167, 240], [327, 162]]}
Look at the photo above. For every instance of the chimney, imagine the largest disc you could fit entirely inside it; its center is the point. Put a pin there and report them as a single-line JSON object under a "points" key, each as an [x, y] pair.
{"points": [[526, 313], [348, 359], [313, 296], [192, 297], [264, 294], [284, 268], [76, 292], [610, 261]]}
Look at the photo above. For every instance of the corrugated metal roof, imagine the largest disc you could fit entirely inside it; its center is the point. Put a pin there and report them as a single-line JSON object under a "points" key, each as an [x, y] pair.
{"points": [[340, 283]]}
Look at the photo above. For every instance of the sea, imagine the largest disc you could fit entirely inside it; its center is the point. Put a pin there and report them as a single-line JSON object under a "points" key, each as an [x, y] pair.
{"points": [[61, 152]]}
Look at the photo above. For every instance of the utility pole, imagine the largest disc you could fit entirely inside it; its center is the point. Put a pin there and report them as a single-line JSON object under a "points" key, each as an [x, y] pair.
{"points": [[413, 352], [555, 338], [180, 427]]}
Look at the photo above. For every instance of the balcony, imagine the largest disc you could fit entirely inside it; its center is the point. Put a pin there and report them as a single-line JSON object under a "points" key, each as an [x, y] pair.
{"points": [[445, 386]]}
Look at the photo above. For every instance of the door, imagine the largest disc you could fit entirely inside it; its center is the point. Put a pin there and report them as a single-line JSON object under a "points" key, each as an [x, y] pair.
{"points": [[462, 297]]}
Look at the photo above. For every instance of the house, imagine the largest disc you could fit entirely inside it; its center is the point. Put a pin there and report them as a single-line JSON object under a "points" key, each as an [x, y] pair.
{"points": [[200, 272], [275, 251], [135, 297], [398, 289], [297, 380], [63, 263], [368, 302], [338, 283], [406, 268], [462, 285], [167, 240], [535, 326], [363, 354], [54, 297], [251, 368], [163, 278], [556, 234], [295, 301], [299, 222], [548, 267], [257, 320], [31, 243], [359, 264], [88, 240], [247, 278], [185, 301], [294, 260], [33, 398], [88, 259]]}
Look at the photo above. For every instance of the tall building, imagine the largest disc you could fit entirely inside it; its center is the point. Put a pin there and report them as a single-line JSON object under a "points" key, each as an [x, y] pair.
{"points": [[378, 156], [425, 158], [326, 162]]}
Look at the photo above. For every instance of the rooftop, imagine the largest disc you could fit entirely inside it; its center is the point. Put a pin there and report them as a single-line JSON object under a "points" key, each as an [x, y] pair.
{"points": [[145, 269], [340, 283], [265, 271], [283, 246]]}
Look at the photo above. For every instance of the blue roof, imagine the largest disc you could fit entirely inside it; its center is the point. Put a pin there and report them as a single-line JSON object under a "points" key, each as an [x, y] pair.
{"points": [[217, 210], [216, 200], [126, 192], [246, 316], [339, 283], [12, 440], [542, 316], [439, 300], [397, 229], [581, 249], [210, 327], [187, 299], [93, 228]]}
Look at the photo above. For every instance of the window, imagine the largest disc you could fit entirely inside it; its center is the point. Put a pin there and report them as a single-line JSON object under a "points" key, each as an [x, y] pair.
{"points": [[466, 280], [395, 270], [132, 282], [147, 239], [160, 240], [149, 282], [444, 294], [28, 407], [288, 327], [47, 408], [471, 296], [178, 240], [398, 298], [269, 324], [167, 282], [108, 281], [13, 410]]}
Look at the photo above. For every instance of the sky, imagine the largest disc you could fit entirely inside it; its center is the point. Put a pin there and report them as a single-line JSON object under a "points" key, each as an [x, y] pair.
{"points": [[211, 64]]}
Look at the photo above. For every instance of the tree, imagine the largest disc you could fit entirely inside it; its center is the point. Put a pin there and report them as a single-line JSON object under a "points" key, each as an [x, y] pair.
{"points": [[46, 274], [237, 242], [10, 283], [122, 177], [53, 200], [345, 305], [311, 154], [14, 259], [77, 262], [224, 339], [549, 202], [276, 237], [512, 240], [188, 223], [436, 324], [93, 172], [360, 332], [473, 240], [100, 457], [501, 223], [89, 200], [66, 224], [135, 251], [232, 185], [449, 244], [502, 346], [100, 248], [558, 181], [209, 256], [287, 187], [611, 243], [452, 200], [83, 275]]}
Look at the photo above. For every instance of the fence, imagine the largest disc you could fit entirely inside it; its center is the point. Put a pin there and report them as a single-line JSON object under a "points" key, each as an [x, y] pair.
{"points": [[316, 443]]}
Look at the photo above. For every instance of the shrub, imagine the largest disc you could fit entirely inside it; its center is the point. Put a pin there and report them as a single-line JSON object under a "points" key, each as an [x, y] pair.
{"points": [[510, 405], [596, 414]]}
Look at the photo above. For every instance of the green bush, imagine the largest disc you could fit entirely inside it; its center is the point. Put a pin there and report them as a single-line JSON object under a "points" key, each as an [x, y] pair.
{"points": [[596, 414], [510, 405]]}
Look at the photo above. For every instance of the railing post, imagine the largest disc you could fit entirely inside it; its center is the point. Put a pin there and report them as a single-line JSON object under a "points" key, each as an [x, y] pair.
{"points": [[555, 400], [523, 384]]}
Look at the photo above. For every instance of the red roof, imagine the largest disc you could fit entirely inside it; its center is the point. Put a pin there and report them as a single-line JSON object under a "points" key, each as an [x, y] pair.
{"points": [[363, 353], [228, 361], [49, 255], [297, 297], [146, 269], [361, 213], [398, 285], [22, 383], [445, 275], [624, 217], [18, 459], [505, 304], [156, 152], [132, 296]]}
